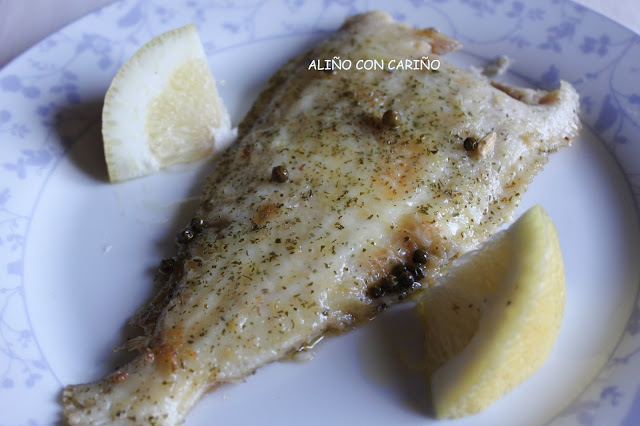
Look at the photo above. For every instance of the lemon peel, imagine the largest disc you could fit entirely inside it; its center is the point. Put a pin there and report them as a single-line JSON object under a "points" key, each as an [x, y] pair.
{"points": [[492, 320], [163, 108]]}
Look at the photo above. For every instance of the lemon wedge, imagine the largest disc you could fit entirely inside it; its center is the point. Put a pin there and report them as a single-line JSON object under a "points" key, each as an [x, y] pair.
{"points": [[492, 320], [162, 107]]}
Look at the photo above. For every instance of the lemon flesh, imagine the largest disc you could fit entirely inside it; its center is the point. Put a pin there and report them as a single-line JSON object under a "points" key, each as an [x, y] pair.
{"points": [[492, 320], [162, 107]]}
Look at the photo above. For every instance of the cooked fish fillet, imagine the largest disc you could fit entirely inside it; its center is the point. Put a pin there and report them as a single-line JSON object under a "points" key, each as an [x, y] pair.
{"points": [[343, 190]]}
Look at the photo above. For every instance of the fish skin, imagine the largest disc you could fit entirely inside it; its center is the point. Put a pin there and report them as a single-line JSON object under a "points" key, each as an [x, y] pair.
{"points": [[279, 264]]}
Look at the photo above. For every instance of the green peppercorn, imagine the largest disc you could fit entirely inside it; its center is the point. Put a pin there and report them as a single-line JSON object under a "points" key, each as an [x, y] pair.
{"points": [[470, 144], [376, 292], [391, 118], [167, 265], [418, 272], [405, 279], [420, 256], [389, 284], [185, 236], [197, 224], [398, 270], [279, 174]]}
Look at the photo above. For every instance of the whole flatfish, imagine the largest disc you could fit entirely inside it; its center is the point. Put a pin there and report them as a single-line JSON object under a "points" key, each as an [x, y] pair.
{"points": [[346, 191]]}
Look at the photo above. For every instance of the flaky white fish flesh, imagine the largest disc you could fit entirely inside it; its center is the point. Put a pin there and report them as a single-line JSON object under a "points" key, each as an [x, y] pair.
{"points": [[362, 210]]}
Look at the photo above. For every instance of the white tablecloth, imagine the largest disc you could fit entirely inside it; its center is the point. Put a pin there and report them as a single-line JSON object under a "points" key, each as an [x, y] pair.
{"points": [[25, 22]]}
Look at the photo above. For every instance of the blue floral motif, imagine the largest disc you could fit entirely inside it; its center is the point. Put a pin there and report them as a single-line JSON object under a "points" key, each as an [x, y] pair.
{"points": [[596, 45], [582, 411], [99, 45], [5, 116], [4, 196], [132, 17], [556, 34], [516, 9], [551, 78], [612, 394], [31, 92], [10, 83], [19, 130], [29, 158]]}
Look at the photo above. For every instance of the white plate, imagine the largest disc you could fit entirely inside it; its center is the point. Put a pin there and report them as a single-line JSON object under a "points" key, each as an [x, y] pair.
{"points": [[76, 253]]}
